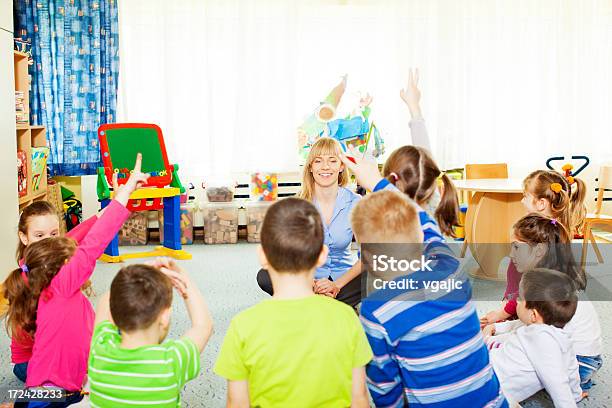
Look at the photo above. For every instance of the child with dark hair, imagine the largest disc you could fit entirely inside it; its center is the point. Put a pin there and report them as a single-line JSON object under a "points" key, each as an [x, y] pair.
{"points": [[130, 363], [543, 242], [297, 348], [538, 354]]}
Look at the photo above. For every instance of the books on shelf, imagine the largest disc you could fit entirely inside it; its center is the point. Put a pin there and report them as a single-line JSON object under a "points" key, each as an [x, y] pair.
{"points": [[21, 113]]}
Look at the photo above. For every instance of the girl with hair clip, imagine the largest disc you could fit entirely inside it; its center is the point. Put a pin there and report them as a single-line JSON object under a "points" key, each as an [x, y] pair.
{"points": [[548, 193], [544, 242], [554, 195], [46, 302], [37, 221], [412, 170]]}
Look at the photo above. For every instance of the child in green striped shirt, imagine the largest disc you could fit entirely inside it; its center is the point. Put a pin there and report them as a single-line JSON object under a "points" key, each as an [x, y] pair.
{"points": [[128, 363]]}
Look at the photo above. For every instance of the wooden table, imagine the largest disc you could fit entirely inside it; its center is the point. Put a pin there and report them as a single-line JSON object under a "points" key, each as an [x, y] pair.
{"points": [[493, 207]]}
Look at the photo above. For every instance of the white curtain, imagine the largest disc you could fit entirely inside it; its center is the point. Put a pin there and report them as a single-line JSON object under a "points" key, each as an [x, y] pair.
{"points": [[229, 81]]}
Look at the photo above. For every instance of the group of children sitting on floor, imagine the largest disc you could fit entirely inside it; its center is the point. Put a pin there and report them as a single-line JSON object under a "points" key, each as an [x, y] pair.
{"points": [[302, 349]]}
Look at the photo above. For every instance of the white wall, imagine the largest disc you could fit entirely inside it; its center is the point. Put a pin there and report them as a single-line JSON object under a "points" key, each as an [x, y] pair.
{"points": [[8, 153]]}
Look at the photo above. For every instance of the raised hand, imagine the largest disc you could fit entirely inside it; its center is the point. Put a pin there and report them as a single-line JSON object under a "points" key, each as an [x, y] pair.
{"points": [[365, 170], [179, 278], [137, 179], [411, 95]]}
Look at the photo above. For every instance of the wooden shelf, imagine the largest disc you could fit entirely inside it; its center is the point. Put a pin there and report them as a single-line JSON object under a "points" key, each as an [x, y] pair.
{"points": [[28, 137]]}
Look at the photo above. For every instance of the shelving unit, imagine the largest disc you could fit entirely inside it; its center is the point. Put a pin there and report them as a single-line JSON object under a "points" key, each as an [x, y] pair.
{"points": [[29, 136]]}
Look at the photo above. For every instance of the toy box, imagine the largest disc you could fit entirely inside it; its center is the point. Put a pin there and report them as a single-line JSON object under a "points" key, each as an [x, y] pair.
{"points": [[134, 230], [255, 213], [187, 211], [220, 223]]}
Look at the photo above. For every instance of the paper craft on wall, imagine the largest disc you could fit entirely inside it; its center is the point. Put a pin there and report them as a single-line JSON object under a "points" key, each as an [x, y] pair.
{"points": [[39, 164], [354, 130]]}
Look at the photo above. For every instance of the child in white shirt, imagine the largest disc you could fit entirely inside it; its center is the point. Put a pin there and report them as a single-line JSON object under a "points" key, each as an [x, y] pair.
{"points": [[535, 353]]}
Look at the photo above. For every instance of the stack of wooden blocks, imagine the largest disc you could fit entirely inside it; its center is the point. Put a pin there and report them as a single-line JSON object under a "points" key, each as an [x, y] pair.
{"points": [[134, 230], [220, 223], [255, 212]]}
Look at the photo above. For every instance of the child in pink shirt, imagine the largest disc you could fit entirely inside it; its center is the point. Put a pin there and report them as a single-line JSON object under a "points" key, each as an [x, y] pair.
{"points": [[61, 316], [38, 221]]}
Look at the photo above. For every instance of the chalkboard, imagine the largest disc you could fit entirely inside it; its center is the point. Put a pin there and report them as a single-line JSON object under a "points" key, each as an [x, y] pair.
{"points": [[121, 142]]}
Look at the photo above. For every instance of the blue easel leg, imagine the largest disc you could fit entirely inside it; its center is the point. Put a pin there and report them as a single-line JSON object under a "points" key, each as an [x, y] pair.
{"points": [[172, 222], [113, 248]]}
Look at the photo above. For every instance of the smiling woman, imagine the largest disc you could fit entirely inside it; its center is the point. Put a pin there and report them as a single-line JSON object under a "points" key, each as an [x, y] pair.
{"points": [[323, 184]]}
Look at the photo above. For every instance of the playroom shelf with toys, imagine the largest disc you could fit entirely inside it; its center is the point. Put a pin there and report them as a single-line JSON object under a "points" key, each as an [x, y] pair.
{"points": [[32, 148]]}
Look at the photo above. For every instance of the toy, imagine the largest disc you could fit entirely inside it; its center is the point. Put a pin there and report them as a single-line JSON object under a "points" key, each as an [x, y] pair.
{"points": [[22, 173], [187, 211], [73, 208], [220, 223], [255, 213], [134, 230], [39, 165], [119, 145], [264, 186], [568, 167], [353, 130]]}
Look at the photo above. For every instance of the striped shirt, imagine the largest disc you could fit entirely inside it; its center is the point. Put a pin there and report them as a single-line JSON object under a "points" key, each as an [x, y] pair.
{"points": [[150, 376], [428, 349]]}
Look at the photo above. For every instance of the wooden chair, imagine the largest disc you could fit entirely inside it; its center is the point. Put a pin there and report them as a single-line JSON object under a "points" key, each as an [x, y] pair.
{"points": [[597, 218], [482, 171]]}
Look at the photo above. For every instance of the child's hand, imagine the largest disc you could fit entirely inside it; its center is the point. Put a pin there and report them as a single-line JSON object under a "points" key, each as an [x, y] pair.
{"points": [[137, 179], [488, 330], [411, 95], [493, 316], [180, 279], [366, 171]]}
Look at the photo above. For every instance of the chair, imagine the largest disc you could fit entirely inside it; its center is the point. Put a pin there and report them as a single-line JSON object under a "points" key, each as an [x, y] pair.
{"points": [[482, 171], [597, 218]]}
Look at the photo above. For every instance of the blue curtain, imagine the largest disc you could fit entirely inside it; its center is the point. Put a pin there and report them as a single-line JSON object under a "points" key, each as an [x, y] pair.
{"points": [[75, 48]]}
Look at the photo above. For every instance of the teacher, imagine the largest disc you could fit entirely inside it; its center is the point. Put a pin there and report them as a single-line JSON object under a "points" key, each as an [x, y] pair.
{"points": [[323, 183]]}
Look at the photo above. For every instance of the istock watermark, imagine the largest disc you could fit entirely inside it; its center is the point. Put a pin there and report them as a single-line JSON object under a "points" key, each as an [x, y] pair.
{"points": [[437, 271]]}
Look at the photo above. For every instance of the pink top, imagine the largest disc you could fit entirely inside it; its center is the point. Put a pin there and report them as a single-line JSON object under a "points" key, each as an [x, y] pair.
{"points": [[21, 345], [513, 280], [65, 317]]}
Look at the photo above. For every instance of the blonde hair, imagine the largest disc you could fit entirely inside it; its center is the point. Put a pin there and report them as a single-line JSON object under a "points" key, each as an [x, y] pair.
{"points": [[325, 146], [567, 205], [379, 217]]}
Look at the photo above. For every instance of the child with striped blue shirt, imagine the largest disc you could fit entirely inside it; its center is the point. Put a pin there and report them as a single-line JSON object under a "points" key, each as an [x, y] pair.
{"points": [[130, 364], [428, 349]]}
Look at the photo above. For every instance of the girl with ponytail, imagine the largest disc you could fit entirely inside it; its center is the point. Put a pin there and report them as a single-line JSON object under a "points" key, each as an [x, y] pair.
{"points": [[413, 171], [46, 305], [554, 195]]}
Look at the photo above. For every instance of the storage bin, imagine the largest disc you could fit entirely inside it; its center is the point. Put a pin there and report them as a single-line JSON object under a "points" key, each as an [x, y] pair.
{"points": [[264, 186], [220, 223], [255, 213], [187, 211], [134, 230]]}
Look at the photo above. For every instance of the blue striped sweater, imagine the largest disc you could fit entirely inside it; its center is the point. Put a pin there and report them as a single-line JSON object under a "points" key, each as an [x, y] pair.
{"points": [[428, 349]]}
